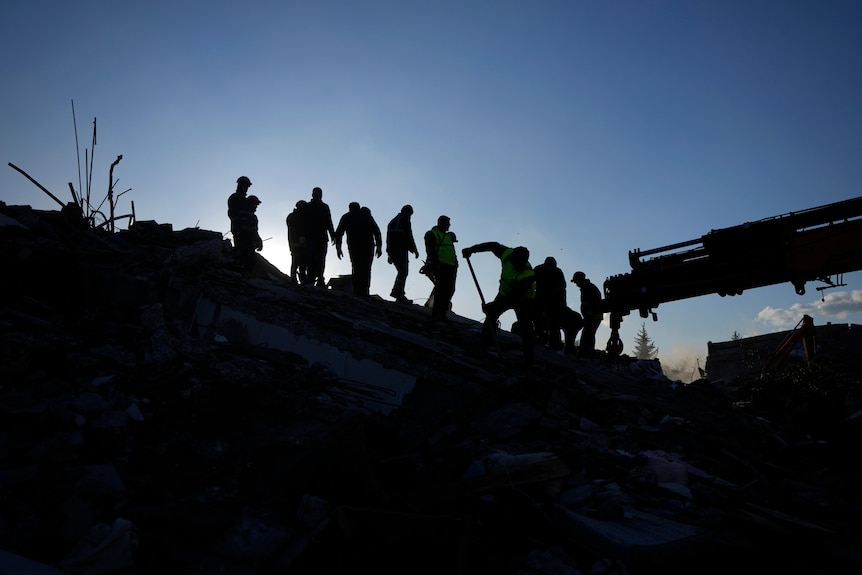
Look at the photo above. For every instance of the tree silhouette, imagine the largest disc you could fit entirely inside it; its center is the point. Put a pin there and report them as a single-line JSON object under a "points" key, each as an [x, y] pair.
{"points": [[644, 347], [735, 336]]}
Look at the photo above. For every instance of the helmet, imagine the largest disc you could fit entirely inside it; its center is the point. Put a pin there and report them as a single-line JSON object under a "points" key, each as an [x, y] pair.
{"points": [[578, 277], [243, 180], [254, 200]]}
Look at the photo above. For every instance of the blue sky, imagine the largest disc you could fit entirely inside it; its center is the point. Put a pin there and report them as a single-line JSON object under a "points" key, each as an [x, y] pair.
{"points": [[582, 130]]}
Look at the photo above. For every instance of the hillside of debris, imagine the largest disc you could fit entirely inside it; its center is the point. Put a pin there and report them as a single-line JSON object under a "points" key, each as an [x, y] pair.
{"points": [[163, 412]]}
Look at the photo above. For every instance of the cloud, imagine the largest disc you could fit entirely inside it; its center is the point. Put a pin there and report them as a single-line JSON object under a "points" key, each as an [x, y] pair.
{"points": [[835, 305], [840, 304]]}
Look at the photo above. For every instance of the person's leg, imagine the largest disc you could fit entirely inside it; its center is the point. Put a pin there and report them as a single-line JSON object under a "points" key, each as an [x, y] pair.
{"points": [[524, 313], [321, 281], [294, 267], [361, 261], [302, 265], [587, 347], [572, 324], [313, 260], [246, 257], [444, 289], [365, 272], [540, 325], [553, 318], [401, 267], [493, 311], [367, 269]]}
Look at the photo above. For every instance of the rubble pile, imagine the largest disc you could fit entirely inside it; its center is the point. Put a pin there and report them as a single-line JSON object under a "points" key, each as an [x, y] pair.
{"points": [[162, 412]]}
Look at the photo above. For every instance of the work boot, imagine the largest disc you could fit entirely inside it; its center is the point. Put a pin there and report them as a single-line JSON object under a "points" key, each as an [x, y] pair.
{"points": [[402, 299]]}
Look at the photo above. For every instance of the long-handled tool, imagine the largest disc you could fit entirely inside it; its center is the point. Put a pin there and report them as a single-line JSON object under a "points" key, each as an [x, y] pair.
{"points": [[476, 281], [482, 299]]}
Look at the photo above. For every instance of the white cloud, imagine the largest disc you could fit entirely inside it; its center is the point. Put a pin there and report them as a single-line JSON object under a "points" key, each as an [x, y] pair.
{"points": [[835, 305], [840, 304]]}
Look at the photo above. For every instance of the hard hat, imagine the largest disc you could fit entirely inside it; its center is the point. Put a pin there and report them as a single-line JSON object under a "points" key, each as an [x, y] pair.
{"points": [[254, 200], [243, 180], [578, 276]]}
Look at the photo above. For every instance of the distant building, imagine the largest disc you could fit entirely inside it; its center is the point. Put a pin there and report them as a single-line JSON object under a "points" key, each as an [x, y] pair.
{"points": [[745, 357]]}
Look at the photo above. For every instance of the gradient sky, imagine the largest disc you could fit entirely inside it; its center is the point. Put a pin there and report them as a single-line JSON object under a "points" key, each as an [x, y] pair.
{"points": [[582, 130]]}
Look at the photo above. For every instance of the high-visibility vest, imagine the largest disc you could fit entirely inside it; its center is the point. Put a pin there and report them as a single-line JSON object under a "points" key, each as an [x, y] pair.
{"points": [[509, 276], [445, 247]]}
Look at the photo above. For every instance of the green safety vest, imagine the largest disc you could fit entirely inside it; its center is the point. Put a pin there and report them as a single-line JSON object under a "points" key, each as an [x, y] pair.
{"points": [[509, 276], [445, 247]]}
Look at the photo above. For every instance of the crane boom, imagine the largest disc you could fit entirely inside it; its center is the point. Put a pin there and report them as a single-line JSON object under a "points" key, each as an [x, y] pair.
{"points": [[797, 247]]}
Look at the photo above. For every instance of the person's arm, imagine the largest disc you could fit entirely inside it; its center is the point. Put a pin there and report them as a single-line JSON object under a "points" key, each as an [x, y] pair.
{"points": [[328, 223], [495, 247], [338, 234], [378, 238], [411, 240]]}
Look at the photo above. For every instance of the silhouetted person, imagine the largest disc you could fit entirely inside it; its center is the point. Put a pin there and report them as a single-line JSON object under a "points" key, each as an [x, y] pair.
{"points": [[591, 310], [571, 322], [399, 244], [517, 292], [550, 303], [363, 236], [442, 266], [318, 233], [246, 236], [236, 203], [298, 244]]}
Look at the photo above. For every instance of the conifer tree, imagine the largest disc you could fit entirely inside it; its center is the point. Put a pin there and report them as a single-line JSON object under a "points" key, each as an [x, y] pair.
{"points": [[644, 347]]}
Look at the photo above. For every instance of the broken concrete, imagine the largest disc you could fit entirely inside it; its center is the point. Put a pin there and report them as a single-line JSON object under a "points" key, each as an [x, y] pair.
{"points": [[164, 413]]}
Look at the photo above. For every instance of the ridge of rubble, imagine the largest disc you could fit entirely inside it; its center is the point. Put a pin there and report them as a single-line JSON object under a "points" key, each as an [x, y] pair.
{"points": [[163, 412]]}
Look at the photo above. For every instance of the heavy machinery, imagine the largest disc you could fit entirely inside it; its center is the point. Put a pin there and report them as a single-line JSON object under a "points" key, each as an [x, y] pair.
{"points": [[797, 247], [804, 333]]}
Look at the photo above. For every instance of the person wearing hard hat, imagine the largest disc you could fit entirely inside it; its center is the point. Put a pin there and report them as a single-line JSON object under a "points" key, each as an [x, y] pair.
{"points": [[236, 201]]}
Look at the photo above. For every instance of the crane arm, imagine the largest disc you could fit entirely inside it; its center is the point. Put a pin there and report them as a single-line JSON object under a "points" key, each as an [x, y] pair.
{"points": [[796, 248]]}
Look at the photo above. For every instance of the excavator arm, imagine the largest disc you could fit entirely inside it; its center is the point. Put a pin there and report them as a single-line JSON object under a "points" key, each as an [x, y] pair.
{"points": [[798, 247], [803, 332]]}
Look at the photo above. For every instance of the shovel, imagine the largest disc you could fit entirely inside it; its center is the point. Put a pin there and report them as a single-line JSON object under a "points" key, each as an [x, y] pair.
{"points": [[482, 299]]}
